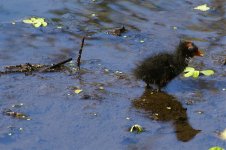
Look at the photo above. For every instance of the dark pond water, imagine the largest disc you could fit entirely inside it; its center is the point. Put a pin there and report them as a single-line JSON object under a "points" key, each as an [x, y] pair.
{"points": [[188, 114]]}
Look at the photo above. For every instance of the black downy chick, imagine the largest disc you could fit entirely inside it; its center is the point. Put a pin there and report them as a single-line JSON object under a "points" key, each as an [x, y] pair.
{"points": [[162, 68]]}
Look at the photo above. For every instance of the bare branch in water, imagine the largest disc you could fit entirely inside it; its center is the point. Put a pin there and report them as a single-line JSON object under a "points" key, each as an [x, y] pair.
{"points": [[80, 53], [57, 65]]}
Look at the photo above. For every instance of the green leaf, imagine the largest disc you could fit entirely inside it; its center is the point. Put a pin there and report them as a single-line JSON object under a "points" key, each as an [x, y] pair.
{"points": [[202, 7], [136, 128], [27, 21], [207, 72], [188, 69], [222, 135], [216, 148], [38, 24], [195, 74], [44, 24], [40, 19], [188, 74], [77, 91], [33, 19]]}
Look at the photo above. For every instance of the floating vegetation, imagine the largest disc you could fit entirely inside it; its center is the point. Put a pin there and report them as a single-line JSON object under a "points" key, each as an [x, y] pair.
{"points": [[189, 71], [29, 68], [141, 41], [77, 91], [17, 115], [222, 135], [36, 22], [203, 7], [136, 128], [216, 148], [117, 31], [101, 88]]}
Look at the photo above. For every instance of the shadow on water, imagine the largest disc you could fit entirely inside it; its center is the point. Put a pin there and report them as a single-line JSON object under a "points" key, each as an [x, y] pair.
{"points": [[163, 107]]}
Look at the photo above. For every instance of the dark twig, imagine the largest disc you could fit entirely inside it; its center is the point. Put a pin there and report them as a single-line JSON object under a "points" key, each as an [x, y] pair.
{"points": [[60, 63], [80, 53], [56, 65]]}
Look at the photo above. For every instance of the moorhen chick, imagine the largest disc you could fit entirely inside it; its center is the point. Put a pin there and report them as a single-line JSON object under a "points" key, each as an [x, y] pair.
{"points": [[162, 68]]}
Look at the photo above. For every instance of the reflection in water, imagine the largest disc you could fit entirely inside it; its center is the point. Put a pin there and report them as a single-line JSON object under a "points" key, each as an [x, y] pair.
{"points": [[164, 107], [102, 15]]}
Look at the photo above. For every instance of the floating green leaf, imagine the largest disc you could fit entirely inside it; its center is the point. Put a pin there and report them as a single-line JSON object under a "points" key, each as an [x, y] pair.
{"points": [[207, 72], [44, 24], [189, 71], [216, 148], [27, 21], [40, 19], [202, 7], [36, 22], [33, 19], [195, 74], [188, 74], [136, 128], [222, 135], [77, 91]]}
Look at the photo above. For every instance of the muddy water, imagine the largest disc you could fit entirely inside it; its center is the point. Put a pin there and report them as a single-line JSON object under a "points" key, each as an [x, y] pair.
{"points": [[188, 114]]}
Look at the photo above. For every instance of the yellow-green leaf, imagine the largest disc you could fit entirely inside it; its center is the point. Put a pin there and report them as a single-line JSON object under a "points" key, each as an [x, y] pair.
{"points": [[38, 24], [195, 74], [33, 19], [77, 91], [203, 7], [216, 148], [222, 135], [207, 72], [27, 21], [44, 24], [188, 74], [188, 69], [40, 19]]}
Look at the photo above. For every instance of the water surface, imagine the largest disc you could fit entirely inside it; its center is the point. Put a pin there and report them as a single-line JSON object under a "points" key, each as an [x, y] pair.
{"points": [[187, 115]]}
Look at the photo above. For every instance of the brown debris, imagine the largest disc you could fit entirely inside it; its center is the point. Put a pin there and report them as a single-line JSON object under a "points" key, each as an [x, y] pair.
{"points": [[17, 115], [117, 31], [29, 68]]}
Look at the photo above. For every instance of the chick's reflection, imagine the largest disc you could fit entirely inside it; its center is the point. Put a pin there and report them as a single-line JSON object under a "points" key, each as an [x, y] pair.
{"points": [[164, 107]]}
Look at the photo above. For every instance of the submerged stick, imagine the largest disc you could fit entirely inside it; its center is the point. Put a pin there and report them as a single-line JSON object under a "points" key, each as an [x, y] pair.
{"points": [[56, 65], [80, 53]]}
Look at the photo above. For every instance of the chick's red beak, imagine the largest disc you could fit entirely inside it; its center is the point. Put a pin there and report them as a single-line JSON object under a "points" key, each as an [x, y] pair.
{"points": [[199, 53]]}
